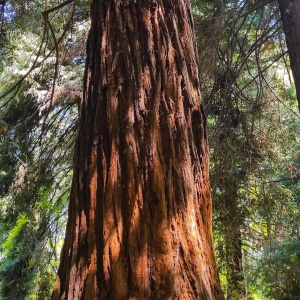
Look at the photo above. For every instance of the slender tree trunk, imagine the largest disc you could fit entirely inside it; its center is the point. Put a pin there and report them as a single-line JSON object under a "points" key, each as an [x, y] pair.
{"points": [[233, 244], [290, 15], [234, 261], [227, 179], [140, 211], [231, 222]]}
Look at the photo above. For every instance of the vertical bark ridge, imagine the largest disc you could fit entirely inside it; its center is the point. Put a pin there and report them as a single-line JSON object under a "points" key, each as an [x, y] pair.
{"points": [[140, 211]]}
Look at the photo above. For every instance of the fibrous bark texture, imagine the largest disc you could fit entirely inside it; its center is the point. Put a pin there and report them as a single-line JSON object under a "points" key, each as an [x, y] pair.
{"points": [[290, 15], [140, 211]]}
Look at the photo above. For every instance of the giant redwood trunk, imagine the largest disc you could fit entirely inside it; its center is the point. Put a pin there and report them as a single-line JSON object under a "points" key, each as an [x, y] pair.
{"points": [[290, 15], [140, 211]]}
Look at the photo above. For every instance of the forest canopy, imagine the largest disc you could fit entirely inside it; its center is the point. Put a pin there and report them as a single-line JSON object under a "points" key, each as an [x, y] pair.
{"points": [[252, 116]]}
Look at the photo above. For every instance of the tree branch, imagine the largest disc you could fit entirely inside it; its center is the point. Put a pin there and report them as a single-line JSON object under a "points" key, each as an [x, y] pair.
{"points": [[255, 7], [48, 11]]}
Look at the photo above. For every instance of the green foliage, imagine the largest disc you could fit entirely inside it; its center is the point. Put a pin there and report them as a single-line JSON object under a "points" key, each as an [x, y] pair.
{"points": [[38, 129], [283, 279], [253, 132], [15, 232]]}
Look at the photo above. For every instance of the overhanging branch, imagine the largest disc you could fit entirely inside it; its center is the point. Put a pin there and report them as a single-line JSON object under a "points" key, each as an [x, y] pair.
{"points": [[256, 6]]}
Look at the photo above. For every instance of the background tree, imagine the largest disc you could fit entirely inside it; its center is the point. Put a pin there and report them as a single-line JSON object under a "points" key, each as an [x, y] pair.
{"points": [[243, 83], [290, 15]]}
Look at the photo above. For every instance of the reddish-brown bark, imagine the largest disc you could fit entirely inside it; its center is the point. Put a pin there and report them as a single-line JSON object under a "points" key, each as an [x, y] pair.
{"points": [[140, 211], [290, 15]]}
